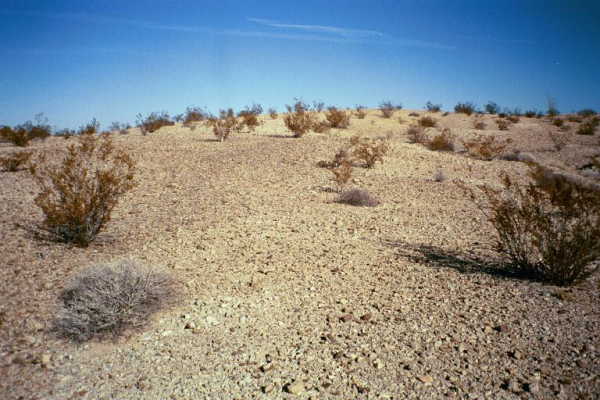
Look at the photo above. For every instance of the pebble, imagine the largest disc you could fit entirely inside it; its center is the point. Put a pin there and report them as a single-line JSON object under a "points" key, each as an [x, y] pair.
{"points": [[425, 379], [295, 388]]}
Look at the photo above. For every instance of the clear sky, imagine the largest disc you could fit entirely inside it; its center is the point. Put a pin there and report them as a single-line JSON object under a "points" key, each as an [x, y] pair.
{"points": [[75, 60]]}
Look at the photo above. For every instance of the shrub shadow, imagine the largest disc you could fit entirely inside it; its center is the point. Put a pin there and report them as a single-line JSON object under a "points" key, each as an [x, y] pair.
{"points": [[465, 262]]}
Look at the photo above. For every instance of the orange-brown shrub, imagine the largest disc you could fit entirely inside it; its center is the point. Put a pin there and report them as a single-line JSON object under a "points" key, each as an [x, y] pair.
{"points": [[588, 127], [434, 108], [21, 135], [427, 122], [342, 173], [250, 115], [503, 125], [272, 113], [225, 124], [15, 161], [369, 151], [321, 126], [416, 134], [193, 114], [549, 232], [341, 156], [153, 122], [513, 118], [479, 124], [299, 119], [465, 108], [337, 118], [485, 147], [79, 193], [442, 142]]}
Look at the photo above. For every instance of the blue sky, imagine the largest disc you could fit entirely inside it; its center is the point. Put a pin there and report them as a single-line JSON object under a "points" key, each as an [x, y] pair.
{"points": [[76, 60]]}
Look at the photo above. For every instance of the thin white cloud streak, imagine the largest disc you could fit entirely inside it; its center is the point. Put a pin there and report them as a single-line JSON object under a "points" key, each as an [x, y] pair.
{"points": [[347, 35], [319, 28]]}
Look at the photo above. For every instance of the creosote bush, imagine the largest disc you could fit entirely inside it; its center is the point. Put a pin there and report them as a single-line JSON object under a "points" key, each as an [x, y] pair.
{"points": [[548, 229], [586, 112], [442, 142], [299, 120], [21, 135], [479, 124], [433, 107], [192, 115], [358, 197], [106, 300], [387, 109], [368, 150], [79, 193], [492, 108], [249, 116], [485, 147], [15, 161], [272, 113], [342, 173], [427, 122], [359, 111], [225, 124], [465, 108], [153, 122], [588, 127], [337, 118], [503, 125], [416, 134]]}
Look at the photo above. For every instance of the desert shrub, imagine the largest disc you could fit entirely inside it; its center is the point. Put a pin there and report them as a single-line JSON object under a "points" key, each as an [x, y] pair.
{"points": [[427, 122], [413, 114], [79, 193], [387, 109], [299, 119], [445, 114], [433, 107], [586, 113], [153, 122], [225, 124], [416, 134], [513, 118], [15, 161], [272, 113], [479, 125], [339, 157], [192, 115], [178, 117], [515, 112], [21, 135], [66, 133], [465, 108], [318, 106], [485, 147], [442, 142], [558, 122], [574, 118], [342, 173], [119, 127], [250, 115], [91, 128], [587, 128], [358, 197], [368, 150], [337, 118], [547, 231], [530, 113], [492, 108], [108, 299], [359, 111], [552, 109], [321, 126], [503, 125]]}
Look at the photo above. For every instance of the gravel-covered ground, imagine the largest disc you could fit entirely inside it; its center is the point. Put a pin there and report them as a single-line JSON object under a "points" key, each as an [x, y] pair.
{"points": [[288, 294]]}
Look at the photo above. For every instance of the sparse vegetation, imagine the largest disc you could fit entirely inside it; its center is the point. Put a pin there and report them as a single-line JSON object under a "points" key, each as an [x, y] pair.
{"points": [[413, 114], [250, 115], [358, 197], [15, 161], [123, 129], [368, 150], [433, 107], [465, 108], [21, 135], [273, 113], [513, 118], [224, 124], [153, 122], [109, 299], [530, 113], [337, 118], [479, 124], [427, 122], [79, 194], [387, 109], [359, 111], [342, 173], [318, 106], [503, 125], [549, 229], [416, 134], [552, 109], [492, 108], [559, 140], [299, 120], [586, 113], [485, 147], [193, 115], [442, 142], [558, 122], [588, 127]]}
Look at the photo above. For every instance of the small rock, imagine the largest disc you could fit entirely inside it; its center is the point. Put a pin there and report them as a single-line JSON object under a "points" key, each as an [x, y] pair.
{"points": [[346, 317], [210, 320], [425, 379], [186, 316], [266, 367], [533, 387], [45, 359], [517, 355], [268, 388], [501, 328], [378, 364], [190, 325], [514, 386], [295, 388], [166, 333], [366, 317], [487, 329]]}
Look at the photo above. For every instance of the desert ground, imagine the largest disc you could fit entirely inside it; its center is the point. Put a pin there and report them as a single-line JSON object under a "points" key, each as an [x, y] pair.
{"points": [[288, 294]]}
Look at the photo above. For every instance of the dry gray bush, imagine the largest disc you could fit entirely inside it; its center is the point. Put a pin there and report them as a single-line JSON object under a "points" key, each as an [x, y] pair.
{"points": [[108, 299], [358, 197]]}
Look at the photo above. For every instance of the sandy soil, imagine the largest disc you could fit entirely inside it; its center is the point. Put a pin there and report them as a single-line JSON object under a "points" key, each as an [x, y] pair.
{"points": [[289, 294]]}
